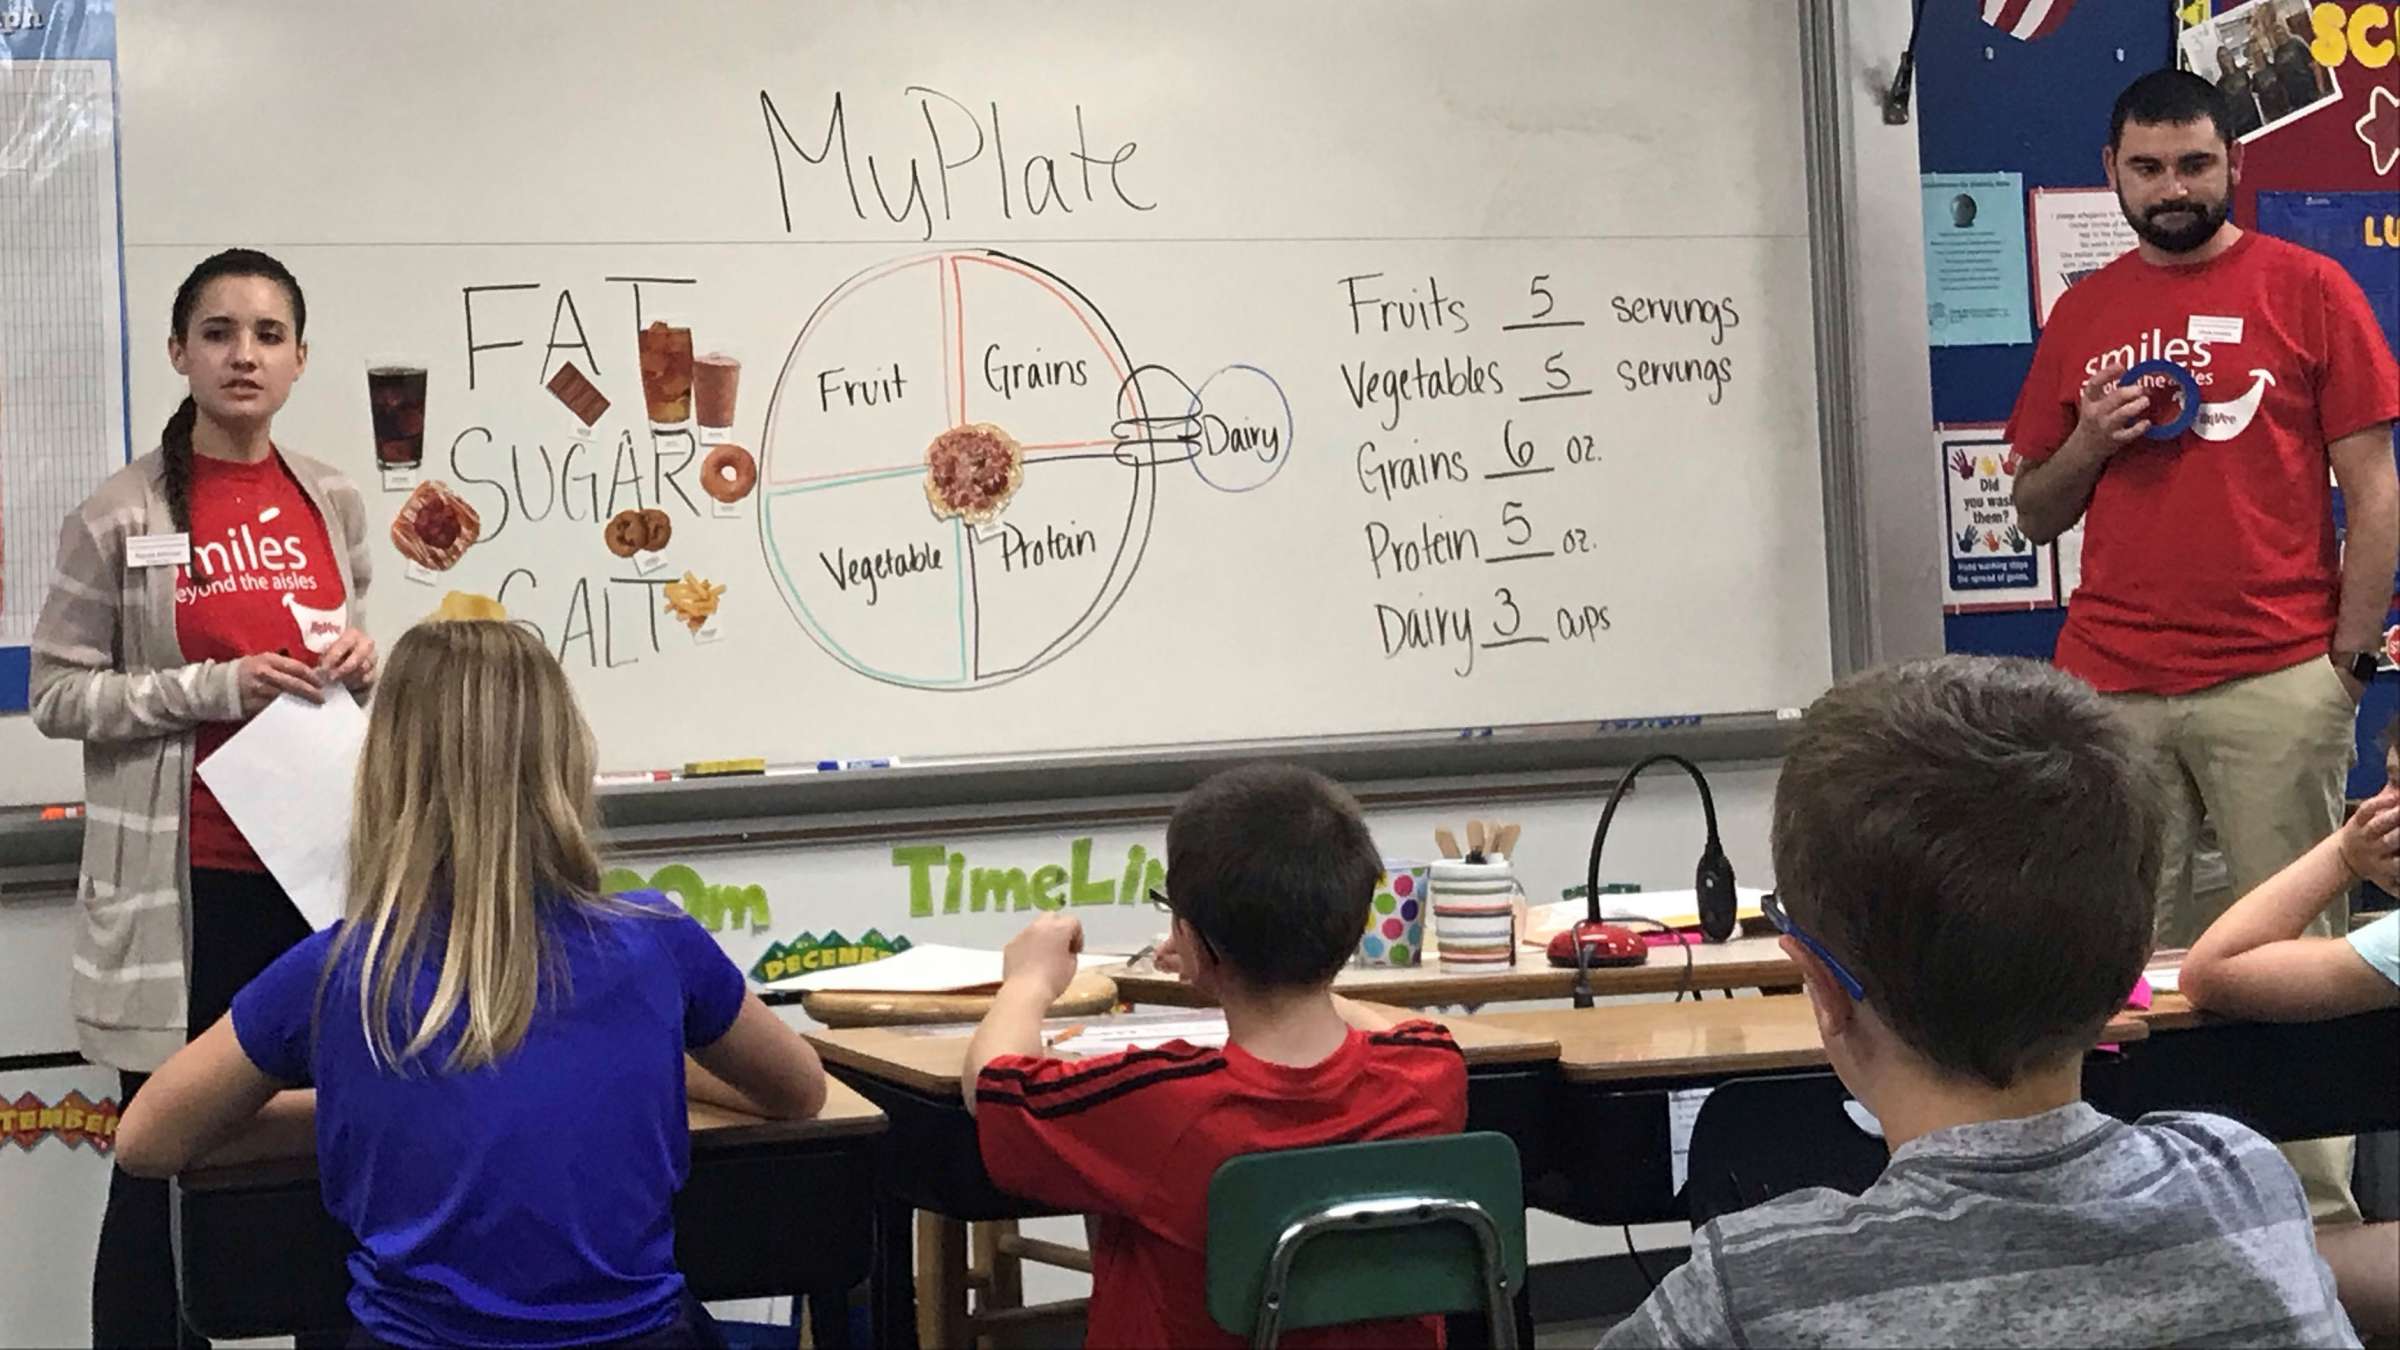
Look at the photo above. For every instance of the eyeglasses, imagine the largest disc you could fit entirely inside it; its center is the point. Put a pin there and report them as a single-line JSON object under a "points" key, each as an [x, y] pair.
{"points": [[1159, 902], [1783, 923]]}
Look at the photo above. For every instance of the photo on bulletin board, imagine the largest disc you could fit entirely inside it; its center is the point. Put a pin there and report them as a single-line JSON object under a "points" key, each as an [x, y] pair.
{"points": [[2258, 56], [1990, 562]]}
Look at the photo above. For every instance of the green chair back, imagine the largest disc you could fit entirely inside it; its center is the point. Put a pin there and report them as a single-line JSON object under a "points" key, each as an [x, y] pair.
{"points": [[1353, 1250]]}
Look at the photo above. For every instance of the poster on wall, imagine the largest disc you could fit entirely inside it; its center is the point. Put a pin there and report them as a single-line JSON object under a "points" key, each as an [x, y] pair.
{"points": [[2262, 56], [2076, 232], [1991, 563], [1976, 293], [62, 348]]}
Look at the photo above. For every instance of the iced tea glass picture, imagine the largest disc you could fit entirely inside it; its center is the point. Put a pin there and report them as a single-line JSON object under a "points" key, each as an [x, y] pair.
{"points": [[396, 405], [666, 355]]}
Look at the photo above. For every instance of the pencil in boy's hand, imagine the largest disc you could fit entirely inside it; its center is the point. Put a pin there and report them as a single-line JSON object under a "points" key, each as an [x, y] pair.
{"points": [[1067, 1035]]}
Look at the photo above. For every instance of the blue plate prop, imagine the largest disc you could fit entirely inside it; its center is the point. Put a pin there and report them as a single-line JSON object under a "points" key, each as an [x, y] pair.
{"points": [[2167, 431]]}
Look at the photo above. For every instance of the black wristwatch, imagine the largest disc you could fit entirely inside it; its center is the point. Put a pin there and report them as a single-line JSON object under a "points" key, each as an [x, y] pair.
{"points": [[2361, 665]]}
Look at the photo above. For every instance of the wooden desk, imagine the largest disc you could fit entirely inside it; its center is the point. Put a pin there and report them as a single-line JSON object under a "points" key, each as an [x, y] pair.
{"points": [[771, 1207], [932, 1060], [1694, 1043], [1744, 963], [1089, 994]]}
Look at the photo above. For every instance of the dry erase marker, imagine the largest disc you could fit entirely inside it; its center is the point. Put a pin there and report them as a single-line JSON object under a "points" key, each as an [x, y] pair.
{"points": [[639, 776], [835, 765]]}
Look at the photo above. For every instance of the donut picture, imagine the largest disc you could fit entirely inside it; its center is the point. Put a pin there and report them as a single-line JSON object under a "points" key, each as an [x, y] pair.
{"points": [[728, 473], [435, 526], [971, 471]]}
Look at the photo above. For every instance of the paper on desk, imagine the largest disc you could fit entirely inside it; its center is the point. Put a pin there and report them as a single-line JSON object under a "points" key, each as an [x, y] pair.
{"points": [[927, 968], [288, 779], [1103, 1038]]}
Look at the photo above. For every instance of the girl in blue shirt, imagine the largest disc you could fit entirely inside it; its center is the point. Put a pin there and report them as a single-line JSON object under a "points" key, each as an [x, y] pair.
{"points": [[498, 1050]]}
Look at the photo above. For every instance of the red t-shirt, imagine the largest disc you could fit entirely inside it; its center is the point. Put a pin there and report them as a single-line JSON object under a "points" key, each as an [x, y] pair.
{"points": [[1132, 1139], [273, 586], [2211, 556]]}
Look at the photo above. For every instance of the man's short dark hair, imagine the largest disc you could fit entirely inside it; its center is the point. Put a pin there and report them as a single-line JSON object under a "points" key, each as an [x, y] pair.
{"points": [[2169, 98], [1977, 839], [1275, 867]]}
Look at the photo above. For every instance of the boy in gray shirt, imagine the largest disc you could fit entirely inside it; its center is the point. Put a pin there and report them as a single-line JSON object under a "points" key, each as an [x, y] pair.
{"points": [[1966, 851]]}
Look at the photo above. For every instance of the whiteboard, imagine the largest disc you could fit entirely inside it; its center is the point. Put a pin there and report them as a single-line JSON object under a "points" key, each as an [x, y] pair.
{"points": [[1374, 367]]}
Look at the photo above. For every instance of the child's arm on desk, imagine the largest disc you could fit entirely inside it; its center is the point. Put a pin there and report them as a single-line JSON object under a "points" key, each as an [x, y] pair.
{"points": [[197, 1102], [2253, 961], [1036, 968], [759, 1066], [1367, 1018]]}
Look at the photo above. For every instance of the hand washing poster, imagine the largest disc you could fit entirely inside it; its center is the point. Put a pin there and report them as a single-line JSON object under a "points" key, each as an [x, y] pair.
{"points": [[1990, 561]]}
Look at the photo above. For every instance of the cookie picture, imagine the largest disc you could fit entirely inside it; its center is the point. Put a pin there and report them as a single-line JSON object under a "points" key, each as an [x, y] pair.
{"points": [[657, 529], [625, 533]]}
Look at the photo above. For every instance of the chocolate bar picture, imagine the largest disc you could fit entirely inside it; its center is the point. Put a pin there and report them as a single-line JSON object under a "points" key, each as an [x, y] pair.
{"points": [[581, 396]]}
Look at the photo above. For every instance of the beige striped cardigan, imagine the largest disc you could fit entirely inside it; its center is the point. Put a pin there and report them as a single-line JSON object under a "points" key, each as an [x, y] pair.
{"points": [[108, 671]]}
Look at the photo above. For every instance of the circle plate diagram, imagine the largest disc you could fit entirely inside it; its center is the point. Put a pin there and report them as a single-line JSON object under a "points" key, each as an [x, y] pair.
{"points": [[893, 359]]}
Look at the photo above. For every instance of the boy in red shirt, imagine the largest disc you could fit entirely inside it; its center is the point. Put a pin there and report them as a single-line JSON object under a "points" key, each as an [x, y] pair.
{"points": [[1271, 870]]}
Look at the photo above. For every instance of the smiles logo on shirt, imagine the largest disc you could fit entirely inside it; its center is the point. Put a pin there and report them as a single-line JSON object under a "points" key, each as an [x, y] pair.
{"points": [[246, 550], [2194, 352], [2224, 421]]}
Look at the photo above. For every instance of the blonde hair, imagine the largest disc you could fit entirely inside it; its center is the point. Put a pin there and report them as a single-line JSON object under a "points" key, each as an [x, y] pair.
{"points": [[474, 805]]}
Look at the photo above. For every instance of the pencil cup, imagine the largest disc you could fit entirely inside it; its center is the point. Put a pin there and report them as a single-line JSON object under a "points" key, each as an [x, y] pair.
{"points": [[1395, 933], [1475, 915]]}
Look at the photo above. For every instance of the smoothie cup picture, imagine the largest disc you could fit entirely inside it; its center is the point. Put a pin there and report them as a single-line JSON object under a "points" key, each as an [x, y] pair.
{"points": [[716, 379]]}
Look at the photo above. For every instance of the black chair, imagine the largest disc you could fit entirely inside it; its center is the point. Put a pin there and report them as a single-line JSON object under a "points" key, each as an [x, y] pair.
{"points": [[1759, 1138]]}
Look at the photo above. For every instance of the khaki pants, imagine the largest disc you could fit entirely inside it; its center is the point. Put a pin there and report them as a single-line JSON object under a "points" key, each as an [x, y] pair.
{"points": [[2264, 760]]}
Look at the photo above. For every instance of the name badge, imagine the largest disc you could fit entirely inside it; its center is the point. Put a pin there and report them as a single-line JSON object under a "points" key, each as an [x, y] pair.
{"points": [[2212, 328], [158, 550]]}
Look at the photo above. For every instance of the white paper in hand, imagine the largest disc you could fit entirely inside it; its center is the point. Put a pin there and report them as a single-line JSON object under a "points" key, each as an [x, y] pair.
{"points": [[287, 780]]}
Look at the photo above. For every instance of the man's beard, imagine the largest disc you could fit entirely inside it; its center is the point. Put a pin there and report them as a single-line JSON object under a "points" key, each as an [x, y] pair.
{"points": [[2198, 223]]}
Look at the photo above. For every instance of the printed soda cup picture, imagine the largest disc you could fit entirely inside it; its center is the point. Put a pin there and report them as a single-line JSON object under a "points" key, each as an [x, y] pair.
{"points": [[396, 406]]}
